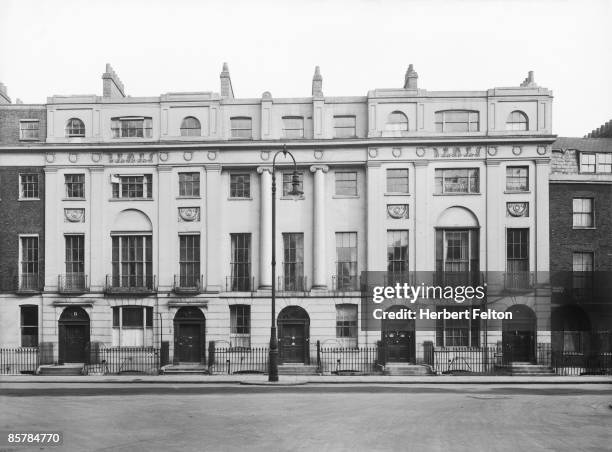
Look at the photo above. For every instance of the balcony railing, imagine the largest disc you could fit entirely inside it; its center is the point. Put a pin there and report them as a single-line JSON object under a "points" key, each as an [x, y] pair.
{"points": [[130, 284], [239, 283], [345, 283], [191, 284], [519, 280], [392, 278], [292, 284], [454, 279], [73, 283], [29, 283]]}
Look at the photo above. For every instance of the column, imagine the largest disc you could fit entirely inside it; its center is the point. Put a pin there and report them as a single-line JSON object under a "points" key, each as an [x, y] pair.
{"points": [[52, 234], [97, 228], [376, 246], [166, 229], [318, 261], [265, 228], [214, 260], [424, 247]]}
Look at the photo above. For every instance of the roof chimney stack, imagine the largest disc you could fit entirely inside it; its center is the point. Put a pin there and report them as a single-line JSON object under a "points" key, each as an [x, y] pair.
{"points": [[111, 84], [227, 92], [4, 97], [317, 83], [529, 82], [411, 78]]}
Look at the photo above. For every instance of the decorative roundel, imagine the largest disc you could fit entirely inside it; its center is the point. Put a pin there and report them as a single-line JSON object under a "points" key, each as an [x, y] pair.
{"points": [[187, 155], [397, 152], [96, 157], [541, 150], [420, 152], [265, 155], [73, 157], [492, 150], [318, 154], [516, 150], [50, 157], [163, 156], [212, 155], [373, 153]]}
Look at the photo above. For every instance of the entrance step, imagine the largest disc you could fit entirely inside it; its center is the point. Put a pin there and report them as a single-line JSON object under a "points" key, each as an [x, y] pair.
{"points": [[185, 369], [297, 369], [528, 369], [63, 369], [407, 369]]}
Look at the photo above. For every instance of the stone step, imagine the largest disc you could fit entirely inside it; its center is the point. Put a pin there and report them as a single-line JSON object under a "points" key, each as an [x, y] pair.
{"points": [[407, 369], [185, 369], [530, 369], [64, 369], [297, 369]]}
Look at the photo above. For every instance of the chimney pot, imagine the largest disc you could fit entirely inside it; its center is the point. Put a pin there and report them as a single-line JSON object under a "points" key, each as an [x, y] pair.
{"points": [[411, 78], [227, 91], [317, 83]]}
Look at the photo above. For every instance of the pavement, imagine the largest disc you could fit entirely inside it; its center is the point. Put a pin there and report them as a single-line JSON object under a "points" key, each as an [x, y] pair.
{"points": [[306, 379]]}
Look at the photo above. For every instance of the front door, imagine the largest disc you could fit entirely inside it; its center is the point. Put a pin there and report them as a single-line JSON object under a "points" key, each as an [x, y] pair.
{"points": [[292, 341], [75, 341], [518, 345], [399, 345], [189, 342]]}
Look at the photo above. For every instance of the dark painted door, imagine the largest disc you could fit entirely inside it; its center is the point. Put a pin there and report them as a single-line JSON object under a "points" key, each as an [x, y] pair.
{"points": [[189, 342], [518, 345], [292, 343], [399, 345], [76, 338]]}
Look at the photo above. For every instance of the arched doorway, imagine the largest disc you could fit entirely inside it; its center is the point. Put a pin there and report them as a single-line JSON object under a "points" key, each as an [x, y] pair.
{"points": [[189, 335], [398, 338], [293, 335], [519, 334], [73, 335]]}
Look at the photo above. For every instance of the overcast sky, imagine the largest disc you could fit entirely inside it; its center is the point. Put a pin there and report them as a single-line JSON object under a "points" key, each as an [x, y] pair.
{"points": [[60, 47]]}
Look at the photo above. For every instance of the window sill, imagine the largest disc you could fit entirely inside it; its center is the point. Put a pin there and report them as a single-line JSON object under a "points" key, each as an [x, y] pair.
{"points": [[292, 198], [584, 227], [29, 139], [517, 192], [345, 196], [240, 199], [396, 194], [188, 197], [74, 199], [130, 199], [457, 194], [29, 199]]}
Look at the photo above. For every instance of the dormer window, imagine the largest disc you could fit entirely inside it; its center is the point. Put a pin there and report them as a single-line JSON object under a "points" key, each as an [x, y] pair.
{"points": [[457, 121], [75, 128], [517, 120], [190, 127], [397, 121], [132, 127]]}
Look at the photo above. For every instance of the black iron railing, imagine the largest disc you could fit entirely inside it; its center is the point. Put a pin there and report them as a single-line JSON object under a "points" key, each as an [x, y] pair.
{"points": [[232, 360], [188, 283], [519, 280], [19, 360], [73, 283], [118, 360], [29, 283], [292, 284], [130, 284], [338, 360], [345, 283], [239, 283]]}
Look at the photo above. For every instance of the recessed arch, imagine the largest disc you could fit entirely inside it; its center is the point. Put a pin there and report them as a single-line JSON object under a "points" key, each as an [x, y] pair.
{"points": [[457, 217], [398, 336], [293, 335], [191, 127], [397, 121], [132, 220]]}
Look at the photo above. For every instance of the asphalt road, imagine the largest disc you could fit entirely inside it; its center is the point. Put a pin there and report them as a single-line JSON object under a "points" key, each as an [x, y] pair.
{"points": [[139, 417]]}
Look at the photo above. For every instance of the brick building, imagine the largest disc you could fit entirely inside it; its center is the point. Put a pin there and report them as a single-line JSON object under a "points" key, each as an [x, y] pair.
{"points": [[158, 217], [581, 243]]}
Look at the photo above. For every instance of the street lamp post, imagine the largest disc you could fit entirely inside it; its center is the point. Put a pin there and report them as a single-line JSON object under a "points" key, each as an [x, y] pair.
{"points": [[273, 357]]}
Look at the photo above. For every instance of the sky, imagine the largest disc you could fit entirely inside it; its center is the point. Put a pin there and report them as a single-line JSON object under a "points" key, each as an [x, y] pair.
{"points": [[52, 47]]}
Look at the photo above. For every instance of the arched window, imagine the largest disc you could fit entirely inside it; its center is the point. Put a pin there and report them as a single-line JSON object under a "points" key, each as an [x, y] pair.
{"points": [[517, 120], [190, 127], [397, 121], [75, 128]]}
